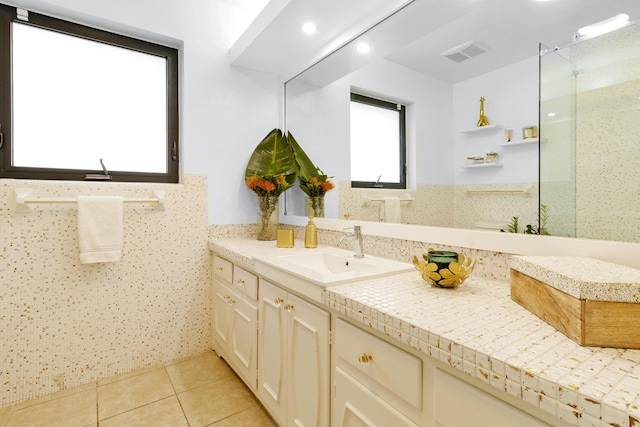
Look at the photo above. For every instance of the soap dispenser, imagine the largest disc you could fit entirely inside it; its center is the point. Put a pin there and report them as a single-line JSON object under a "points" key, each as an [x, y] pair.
{"points": [[310, 235]]}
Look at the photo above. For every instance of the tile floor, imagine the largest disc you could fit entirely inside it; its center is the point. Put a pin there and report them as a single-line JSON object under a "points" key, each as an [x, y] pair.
{"points": [[193, 392]]}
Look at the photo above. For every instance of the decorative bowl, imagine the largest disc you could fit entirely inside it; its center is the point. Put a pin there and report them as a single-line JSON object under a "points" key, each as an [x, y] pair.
{"points": [[444, 269]]}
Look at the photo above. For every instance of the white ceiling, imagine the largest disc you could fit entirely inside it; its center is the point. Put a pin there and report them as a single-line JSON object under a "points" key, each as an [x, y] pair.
{"points": [[274, 42], [417, 35]]}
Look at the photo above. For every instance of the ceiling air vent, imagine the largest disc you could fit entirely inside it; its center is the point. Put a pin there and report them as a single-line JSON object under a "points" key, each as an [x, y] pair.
{"points": [[464, 51]]}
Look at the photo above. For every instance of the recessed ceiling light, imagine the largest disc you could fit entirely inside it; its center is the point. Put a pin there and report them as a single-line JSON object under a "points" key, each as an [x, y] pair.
{"points": [[309, 28], [363, 47], [605, 26]]}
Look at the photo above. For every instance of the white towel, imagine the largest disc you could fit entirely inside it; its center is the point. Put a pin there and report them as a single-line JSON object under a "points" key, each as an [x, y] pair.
{"points": [[391, 209], [100, 228]]}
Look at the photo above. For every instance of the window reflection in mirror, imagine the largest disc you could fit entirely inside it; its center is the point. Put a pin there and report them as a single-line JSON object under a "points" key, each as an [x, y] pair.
{"points": [[378, 143]]}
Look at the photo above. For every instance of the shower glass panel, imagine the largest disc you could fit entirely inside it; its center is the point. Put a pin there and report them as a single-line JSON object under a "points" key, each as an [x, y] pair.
{"points": [[557, 143], [590, 159]]}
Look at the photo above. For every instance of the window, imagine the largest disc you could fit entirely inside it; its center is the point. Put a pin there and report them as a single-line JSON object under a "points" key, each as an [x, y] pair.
{"points": [[378, 143], [74, 98]]}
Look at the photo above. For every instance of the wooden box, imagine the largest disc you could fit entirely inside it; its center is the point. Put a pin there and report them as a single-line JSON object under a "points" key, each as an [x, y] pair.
{"points": [[593, 302]]}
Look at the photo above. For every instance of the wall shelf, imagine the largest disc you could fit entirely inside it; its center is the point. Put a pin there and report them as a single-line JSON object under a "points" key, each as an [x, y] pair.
{"points": [[482, 165], [481, 129], [519, 142]]}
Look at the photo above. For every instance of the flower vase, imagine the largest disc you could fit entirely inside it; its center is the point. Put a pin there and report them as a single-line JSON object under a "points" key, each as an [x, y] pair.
{"points": [[266, 227], [315, 206]]}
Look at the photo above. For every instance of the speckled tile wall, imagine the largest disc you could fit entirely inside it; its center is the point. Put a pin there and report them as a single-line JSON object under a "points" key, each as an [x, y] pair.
{"points": [[431, 204], [64, 324], [447, 206], [487, 203], [607, 131]]}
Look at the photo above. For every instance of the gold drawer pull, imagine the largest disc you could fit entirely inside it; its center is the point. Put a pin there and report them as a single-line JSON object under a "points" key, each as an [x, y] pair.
{"points": [[365, 358], [232, 301], [288, 307], [241, 282], [278, 302], [219, 269], [226, 298]]}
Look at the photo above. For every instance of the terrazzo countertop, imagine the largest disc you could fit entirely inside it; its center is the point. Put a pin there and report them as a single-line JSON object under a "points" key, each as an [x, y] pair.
{"points": [[582, 277], [477, 329]]}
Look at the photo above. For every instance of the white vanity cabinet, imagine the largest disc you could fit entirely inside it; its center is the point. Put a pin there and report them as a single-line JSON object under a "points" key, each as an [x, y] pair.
{"points": [[293, 358], [376, 383], [235, 318], [480, 408]]}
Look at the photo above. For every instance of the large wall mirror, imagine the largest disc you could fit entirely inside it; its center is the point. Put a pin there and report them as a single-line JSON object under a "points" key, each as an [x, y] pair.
{"points": [[574, 106]]}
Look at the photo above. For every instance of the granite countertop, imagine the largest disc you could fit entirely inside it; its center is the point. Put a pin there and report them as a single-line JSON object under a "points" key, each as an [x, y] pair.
{"points": [[477, 328], [582, 277]]}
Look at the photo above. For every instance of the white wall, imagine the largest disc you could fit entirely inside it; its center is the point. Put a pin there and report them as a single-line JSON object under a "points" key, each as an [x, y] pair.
{"points": [[319, 120], [511, 95], [224, 112]]}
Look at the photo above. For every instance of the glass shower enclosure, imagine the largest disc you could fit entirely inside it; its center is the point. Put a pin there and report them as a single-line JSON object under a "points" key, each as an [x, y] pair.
{"points": [[590, 137]]}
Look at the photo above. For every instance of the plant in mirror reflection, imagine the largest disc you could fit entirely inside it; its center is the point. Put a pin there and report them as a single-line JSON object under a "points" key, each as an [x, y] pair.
{"points": [[313, 181], [543, 219]]}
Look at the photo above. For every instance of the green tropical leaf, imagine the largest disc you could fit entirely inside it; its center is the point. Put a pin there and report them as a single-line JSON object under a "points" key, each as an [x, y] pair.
{"points": [[272, 156], [304, 166]]}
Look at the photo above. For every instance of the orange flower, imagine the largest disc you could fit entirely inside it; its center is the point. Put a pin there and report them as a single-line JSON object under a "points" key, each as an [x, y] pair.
{"points": [[327, 186], [252, 182], [280, 179], [267, 186]]}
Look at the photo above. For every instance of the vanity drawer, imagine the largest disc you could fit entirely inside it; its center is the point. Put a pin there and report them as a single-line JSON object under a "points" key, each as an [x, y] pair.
{"points": [[245, 282], [397, 371], [223, 269]]}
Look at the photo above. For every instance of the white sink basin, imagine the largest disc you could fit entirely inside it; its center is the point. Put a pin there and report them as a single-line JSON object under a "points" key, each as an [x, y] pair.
{"points": [[329, 266], [328, 263]]}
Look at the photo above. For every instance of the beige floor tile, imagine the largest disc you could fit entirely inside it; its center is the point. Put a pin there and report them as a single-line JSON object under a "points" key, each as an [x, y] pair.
{"points": [[126, 375], [75, 410], [124, 395], [4, 415], [255, 416], [165, 412], [195, 372], [56, 395], [215, 401]]}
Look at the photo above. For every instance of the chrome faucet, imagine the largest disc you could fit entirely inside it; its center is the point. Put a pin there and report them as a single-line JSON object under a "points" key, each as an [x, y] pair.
{"points": [[358, 248]]}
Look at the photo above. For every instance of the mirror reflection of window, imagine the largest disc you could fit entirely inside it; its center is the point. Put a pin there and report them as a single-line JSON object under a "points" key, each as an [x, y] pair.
{"points": [[378, 143]]}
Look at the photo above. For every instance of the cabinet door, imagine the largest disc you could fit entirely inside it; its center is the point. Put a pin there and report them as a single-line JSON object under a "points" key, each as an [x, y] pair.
{"points": [[480, 408], [357, 406], [308, 375], [243, 348], [221, 295], [272, 356]]}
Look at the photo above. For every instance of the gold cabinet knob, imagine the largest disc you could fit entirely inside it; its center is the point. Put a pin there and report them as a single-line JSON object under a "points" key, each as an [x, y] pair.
{"points": [[288, 307], [218, 268], [226, 298], [365, 358], [240, 282], [278, 302]]}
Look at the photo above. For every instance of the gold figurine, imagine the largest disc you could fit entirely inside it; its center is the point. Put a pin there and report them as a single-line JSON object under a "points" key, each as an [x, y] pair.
{"points": [[482, 121]]}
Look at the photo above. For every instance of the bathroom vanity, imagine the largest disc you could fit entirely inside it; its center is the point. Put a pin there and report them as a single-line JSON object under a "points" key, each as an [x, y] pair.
{"points": [[391, 350]]}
